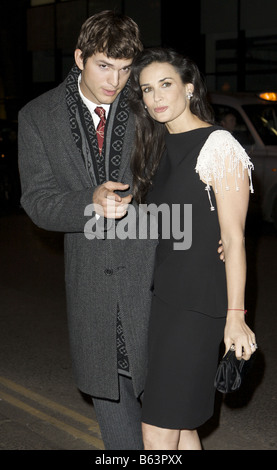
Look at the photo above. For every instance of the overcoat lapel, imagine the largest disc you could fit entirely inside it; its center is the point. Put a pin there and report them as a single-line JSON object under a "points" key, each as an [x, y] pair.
{"points": [[60, 119]]}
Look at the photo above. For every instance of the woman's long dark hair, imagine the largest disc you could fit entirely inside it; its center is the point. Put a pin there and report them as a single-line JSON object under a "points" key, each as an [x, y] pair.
{"points": [[149, 143]]}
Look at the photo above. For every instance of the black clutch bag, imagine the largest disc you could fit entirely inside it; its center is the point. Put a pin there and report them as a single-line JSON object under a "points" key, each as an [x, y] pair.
{"points": [[231, 372]]}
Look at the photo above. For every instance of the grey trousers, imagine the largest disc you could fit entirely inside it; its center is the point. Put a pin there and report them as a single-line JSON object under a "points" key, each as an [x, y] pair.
{"points": [[120, 420]]}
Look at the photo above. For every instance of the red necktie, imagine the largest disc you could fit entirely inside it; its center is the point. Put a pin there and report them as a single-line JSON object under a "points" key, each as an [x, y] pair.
{"points": [[101, 127]]}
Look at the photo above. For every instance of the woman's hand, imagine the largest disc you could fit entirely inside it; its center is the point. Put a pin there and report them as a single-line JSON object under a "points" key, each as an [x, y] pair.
{"points": [[238, 333], [220, 251]]}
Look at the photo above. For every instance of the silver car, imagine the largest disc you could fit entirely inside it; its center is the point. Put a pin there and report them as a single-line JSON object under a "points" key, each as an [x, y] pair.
{"points": [[253, 122]]}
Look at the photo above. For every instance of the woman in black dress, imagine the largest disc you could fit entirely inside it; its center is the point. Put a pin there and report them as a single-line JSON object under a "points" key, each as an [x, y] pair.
{"points": [[182, 158]]}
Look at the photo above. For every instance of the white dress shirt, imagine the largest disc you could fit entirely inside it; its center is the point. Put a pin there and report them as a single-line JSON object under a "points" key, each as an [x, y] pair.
{"points": [[91, 106]]}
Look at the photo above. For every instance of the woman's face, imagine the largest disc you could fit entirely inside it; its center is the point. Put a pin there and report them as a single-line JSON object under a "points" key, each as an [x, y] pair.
{"points": [[164, 93]]}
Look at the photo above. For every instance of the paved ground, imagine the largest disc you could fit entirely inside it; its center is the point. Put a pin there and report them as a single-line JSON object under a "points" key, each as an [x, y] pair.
{"points": [[40, 407]]}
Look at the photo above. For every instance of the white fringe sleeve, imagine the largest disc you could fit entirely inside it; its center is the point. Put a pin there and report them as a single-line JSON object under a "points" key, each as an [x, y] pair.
{"points": [[220, 155]]}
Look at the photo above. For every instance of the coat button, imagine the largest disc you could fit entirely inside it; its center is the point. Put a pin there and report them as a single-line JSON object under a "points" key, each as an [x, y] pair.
{"points": [[108, 272]]}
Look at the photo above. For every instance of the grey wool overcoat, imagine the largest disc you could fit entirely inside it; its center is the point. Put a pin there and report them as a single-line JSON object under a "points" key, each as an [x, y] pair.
{"points": [[99, 273]]}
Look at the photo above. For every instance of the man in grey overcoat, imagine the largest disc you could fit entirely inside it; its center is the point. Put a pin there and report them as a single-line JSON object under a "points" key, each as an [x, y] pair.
{"points": [[63, 172]]}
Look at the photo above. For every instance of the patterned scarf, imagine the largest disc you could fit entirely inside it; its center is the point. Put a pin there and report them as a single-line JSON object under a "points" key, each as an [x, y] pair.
{"points": [[84, 134]]}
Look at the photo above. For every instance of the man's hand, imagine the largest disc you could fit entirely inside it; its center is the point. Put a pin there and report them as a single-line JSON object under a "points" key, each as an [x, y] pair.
{"points": [[109, 204]]}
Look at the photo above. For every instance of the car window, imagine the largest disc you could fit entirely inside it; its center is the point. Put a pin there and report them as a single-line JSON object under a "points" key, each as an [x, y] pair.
{"points": [[264, 118], [229, 118]]}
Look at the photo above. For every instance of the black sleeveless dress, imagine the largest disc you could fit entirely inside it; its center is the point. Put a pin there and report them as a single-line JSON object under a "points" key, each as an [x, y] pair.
{"points": [[189, 297]]}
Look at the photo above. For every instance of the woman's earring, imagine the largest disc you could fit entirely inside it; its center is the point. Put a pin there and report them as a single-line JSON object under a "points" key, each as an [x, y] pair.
{"points": [[189, 95], [145, 106]]}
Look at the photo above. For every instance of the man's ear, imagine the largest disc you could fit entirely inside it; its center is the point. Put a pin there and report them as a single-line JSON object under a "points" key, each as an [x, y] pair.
{"points": [[79, 59]]}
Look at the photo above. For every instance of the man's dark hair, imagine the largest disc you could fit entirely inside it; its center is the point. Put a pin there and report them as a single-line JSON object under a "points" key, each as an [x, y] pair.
{"points": [[114, 34]]}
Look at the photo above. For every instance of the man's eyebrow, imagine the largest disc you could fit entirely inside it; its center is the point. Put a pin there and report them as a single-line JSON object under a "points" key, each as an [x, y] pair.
{"points": [[103, 61], [161, 80], [106, 62]]}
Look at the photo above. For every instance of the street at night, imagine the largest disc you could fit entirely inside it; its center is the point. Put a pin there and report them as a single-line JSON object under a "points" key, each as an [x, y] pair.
{"points": [[59, 148]]}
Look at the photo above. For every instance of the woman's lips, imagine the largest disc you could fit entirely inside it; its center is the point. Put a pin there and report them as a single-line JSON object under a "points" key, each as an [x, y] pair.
{"points": [[161, 109]]}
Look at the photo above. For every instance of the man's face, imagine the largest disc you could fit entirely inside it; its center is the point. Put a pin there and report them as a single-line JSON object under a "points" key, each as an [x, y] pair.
{"points": [[103, 77]]}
